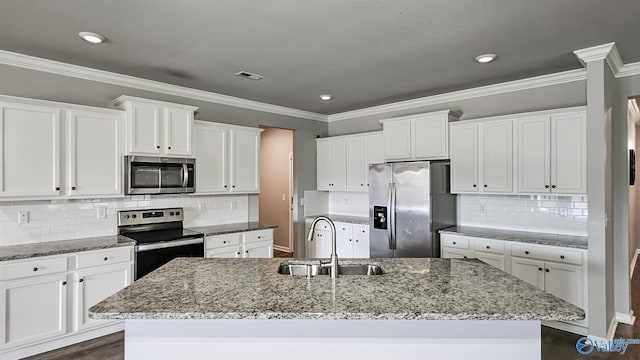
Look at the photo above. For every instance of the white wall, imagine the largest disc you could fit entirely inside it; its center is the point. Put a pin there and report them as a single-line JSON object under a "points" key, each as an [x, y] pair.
{"points": [[349, 203], [74, 219], [565, 215]]}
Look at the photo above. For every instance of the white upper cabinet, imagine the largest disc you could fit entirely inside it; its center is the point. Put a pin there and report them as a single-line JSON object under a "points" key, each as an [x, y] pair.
{"points": [[227, 158], [497, 156], [464, 158], [51, 150], [94, 153], [343, 161], [418, 137], [245, 160], [157, 128], [30, 150], [552, 153]]}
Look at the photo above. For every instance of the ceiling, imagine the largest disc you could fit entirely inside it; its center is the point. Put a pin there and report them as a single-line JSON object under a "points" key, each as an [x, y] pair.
{"points": [[363, 52]]}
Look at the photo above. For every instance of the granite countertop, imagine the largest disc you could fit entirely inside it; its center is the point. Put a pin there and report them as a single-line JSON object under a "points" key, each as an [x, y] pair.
{"points": [[411, 289], [230, 228], [578, 242], [360, 220], [15, 252]]}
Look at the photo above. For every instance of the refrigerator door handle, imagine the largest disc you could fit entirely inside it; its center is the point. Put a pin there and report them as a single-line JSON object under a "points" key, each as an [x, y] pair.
{"points": [[392, 216]]}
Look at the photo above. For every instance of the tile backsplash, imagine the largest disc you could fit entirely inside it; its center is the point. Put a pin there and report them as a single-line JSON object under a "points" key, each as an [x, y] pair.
{"points": [[73, 219], [536, 213]]}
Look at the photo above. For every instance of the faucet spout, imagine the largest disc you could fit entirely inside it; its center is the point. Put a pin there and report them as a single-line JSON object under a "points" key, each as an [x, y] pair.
{"points": [[334, 255]]}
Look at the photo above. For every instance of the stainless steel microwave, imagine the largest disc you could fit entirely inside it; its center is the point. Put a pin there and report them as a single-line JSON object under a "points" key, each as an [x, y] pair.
{"points": [[159, 175]]}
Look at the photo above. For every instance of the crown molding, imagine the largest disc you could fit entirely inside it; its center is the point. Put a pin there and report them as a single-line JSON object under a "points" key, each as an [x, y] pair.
{"points": [[608, 52], [629, 70], [86, 73], [495, 89]]}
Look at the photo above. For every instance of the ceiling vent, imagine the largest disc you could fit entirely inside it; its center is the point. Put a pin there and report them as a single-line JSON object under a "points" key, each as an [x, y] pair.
{"points": [[248, 75]]}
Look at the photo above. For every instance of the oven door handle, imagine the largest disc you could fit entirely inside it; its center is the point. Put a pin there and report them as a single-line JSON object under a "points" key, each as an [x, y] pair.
{"points": [[168, 244]]}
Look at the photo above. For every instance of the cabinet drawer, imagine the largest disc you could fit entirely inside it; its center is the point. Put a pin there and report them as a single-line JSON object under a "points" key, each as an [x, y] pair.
{"points": [[448, 253], [259, 235], [455, 241], [224, 252], [557, 254], [211, 242], [33, 267], [492, 246], [103, 257], [344, 228], [361, 231]]}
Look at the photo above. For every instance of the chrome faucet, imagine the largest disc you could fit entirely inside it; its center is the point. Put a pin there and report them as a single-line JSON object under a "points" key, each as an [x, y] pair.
{"points": [[334, 256]]}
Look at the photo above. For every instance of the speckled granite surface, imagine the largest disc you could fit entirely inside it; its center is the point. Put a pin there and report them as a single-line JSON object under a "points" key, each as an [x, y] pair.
{"points": [[578, 242], [427, 289], [360, 220], [230, 228], [14, 252]]}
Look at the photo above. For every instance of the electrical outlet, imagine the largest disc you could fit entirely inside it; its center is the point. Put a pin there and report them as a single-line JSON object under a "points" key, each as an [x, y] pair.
{"points": [[483, 209], [23, 217], [101, 212], [234, 205], [284, 197]]}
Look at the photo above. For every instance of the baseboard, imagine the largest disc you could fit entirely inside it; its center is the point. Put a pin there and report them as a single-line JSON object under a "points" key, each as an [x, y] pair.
{"points": [[628, 319], [576, 329], [281, 248], [30, 349], [634, 260], [610, 332]]}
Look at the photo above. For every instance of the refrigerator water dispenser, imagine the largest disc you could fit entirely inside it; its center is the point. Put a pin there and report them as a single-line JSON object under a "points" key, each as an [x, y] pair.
{"points": [[380, 217]]}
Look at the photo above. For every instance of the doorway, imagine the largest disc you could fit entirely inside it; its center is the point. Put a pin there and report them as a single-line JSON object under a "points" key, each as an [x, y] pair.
{"points": [[276, 187]]}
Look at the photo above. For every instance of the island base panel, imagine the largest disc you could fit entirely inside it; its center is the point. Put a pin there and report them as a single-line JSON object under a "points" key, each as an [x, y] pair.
{"points": [[317, 339]]}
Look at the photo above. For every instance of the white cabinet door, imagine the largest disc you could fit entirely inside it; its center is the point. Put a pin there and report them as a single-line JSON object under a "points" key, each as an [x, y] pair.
{"points": [[497, 156], [494, 260], [374, 153], [225, 252], [344, 245], [564, 281], [143, 129], [430, 137], [339, 164], [320, 245], [324, 174], [211, 152], [356, 164], [569, 154], [361, 241], [397, 140], [96, 284], [262, 249], [449, 253], [245, 160], [30, 150], [529, 270], [33, 309], [464, 158], [534, 155], [94, 153], [178, 125]]}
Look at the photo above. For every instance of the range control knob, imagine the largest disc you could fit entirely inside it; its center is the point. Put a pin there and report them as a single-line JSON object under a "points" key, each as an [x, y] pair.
{"points": [[177, 212], [126, 216], [171, 213], [134, 216]]}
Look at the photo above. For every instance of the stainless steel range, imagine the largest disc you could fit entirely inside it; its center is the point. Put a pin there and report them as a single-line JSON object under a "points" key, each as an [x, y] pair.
{"points": [[159, 237]]}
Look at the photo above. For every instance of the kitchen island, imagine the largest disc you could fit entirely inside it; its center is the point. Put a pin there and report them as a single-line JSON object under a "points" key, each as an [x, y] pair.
{"points": [[420, 308]]}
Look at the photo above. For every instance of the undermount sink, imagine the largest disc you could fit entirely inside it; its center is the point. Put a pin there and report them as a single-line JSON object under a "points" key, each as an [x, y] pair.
{"points": [[317, 269]]}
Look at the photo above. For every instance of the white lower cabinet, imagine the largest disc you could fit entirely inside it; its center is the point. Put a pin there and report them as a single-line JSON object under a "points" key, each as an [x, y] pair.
{"points": [[352, 241], [495, 260], [249, 244], [41, 310], [529, 270]]}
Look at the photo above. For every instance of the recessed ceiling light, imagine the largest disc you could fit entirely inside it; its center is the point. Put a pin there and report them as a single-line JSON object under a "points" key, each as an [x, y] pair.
{"points": [[485, 58], [326, 97], [249, 75], [92, 37]]}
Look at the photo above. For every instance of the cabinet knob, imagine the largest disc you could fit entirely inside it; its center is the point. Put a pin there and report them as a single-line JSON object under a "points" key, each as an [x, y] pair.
{"points": [[454, 243], [361, 184], [73, 188], [246, 251], [259, 237], [357, 241], [225, 186], [485, 185], [106, 258], [238, 253], [349, 240], [35, 269], [224, 241], [539, 269], [488, 247], [81, 280], [546, 186], [157, 146], [169, 147], [233, 186], [526, 252], [547, 270], [553, 186], [465, 256], [474, 185], [57, 188], [64, 283], [561, 256]]}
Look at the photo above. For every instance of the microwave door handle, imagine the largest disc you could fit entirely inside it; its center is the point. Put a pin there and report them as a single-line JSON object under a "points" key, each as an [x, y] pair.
{"points": [[185, 175]]}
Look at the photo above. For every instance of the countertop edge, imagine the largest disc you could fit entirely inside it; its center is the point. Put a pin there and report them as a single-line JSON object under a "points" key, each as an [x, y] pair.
{"points": [[480, 234]]}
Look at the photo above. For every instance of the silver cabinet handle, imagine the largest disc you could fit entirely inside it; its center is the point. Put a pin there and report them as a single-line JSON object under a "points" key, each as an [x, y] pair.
{"points": [[185, 172]]}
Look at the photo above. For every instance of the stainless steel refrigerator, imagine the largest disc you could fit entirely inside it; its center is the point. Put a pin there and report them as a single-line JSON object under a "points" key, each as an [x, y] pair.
{"points": [[408, 203]]}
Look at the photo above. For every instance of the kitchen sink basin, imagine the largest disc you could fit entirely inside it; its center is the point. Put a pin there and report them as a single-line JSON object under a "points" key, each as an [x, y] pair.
{"points": [[317, 269]]}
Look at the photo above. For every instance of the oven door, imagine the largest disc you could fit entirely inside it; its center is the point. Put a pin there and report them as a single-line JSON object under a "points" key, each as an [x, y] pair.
{"points": [[151, 256], [158, 175]]}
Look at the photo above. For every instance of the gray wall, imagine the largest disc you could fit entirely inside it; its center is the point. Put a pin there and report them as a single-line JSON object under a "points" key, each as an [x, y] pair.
{"points": [[21, 82], [549, 97]]}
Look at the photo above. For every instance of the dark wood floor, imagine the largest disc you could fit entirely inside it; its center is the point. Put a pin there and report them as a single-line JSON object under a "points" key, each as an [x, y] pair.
{"points": [[556, 344], [282, 254]]}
